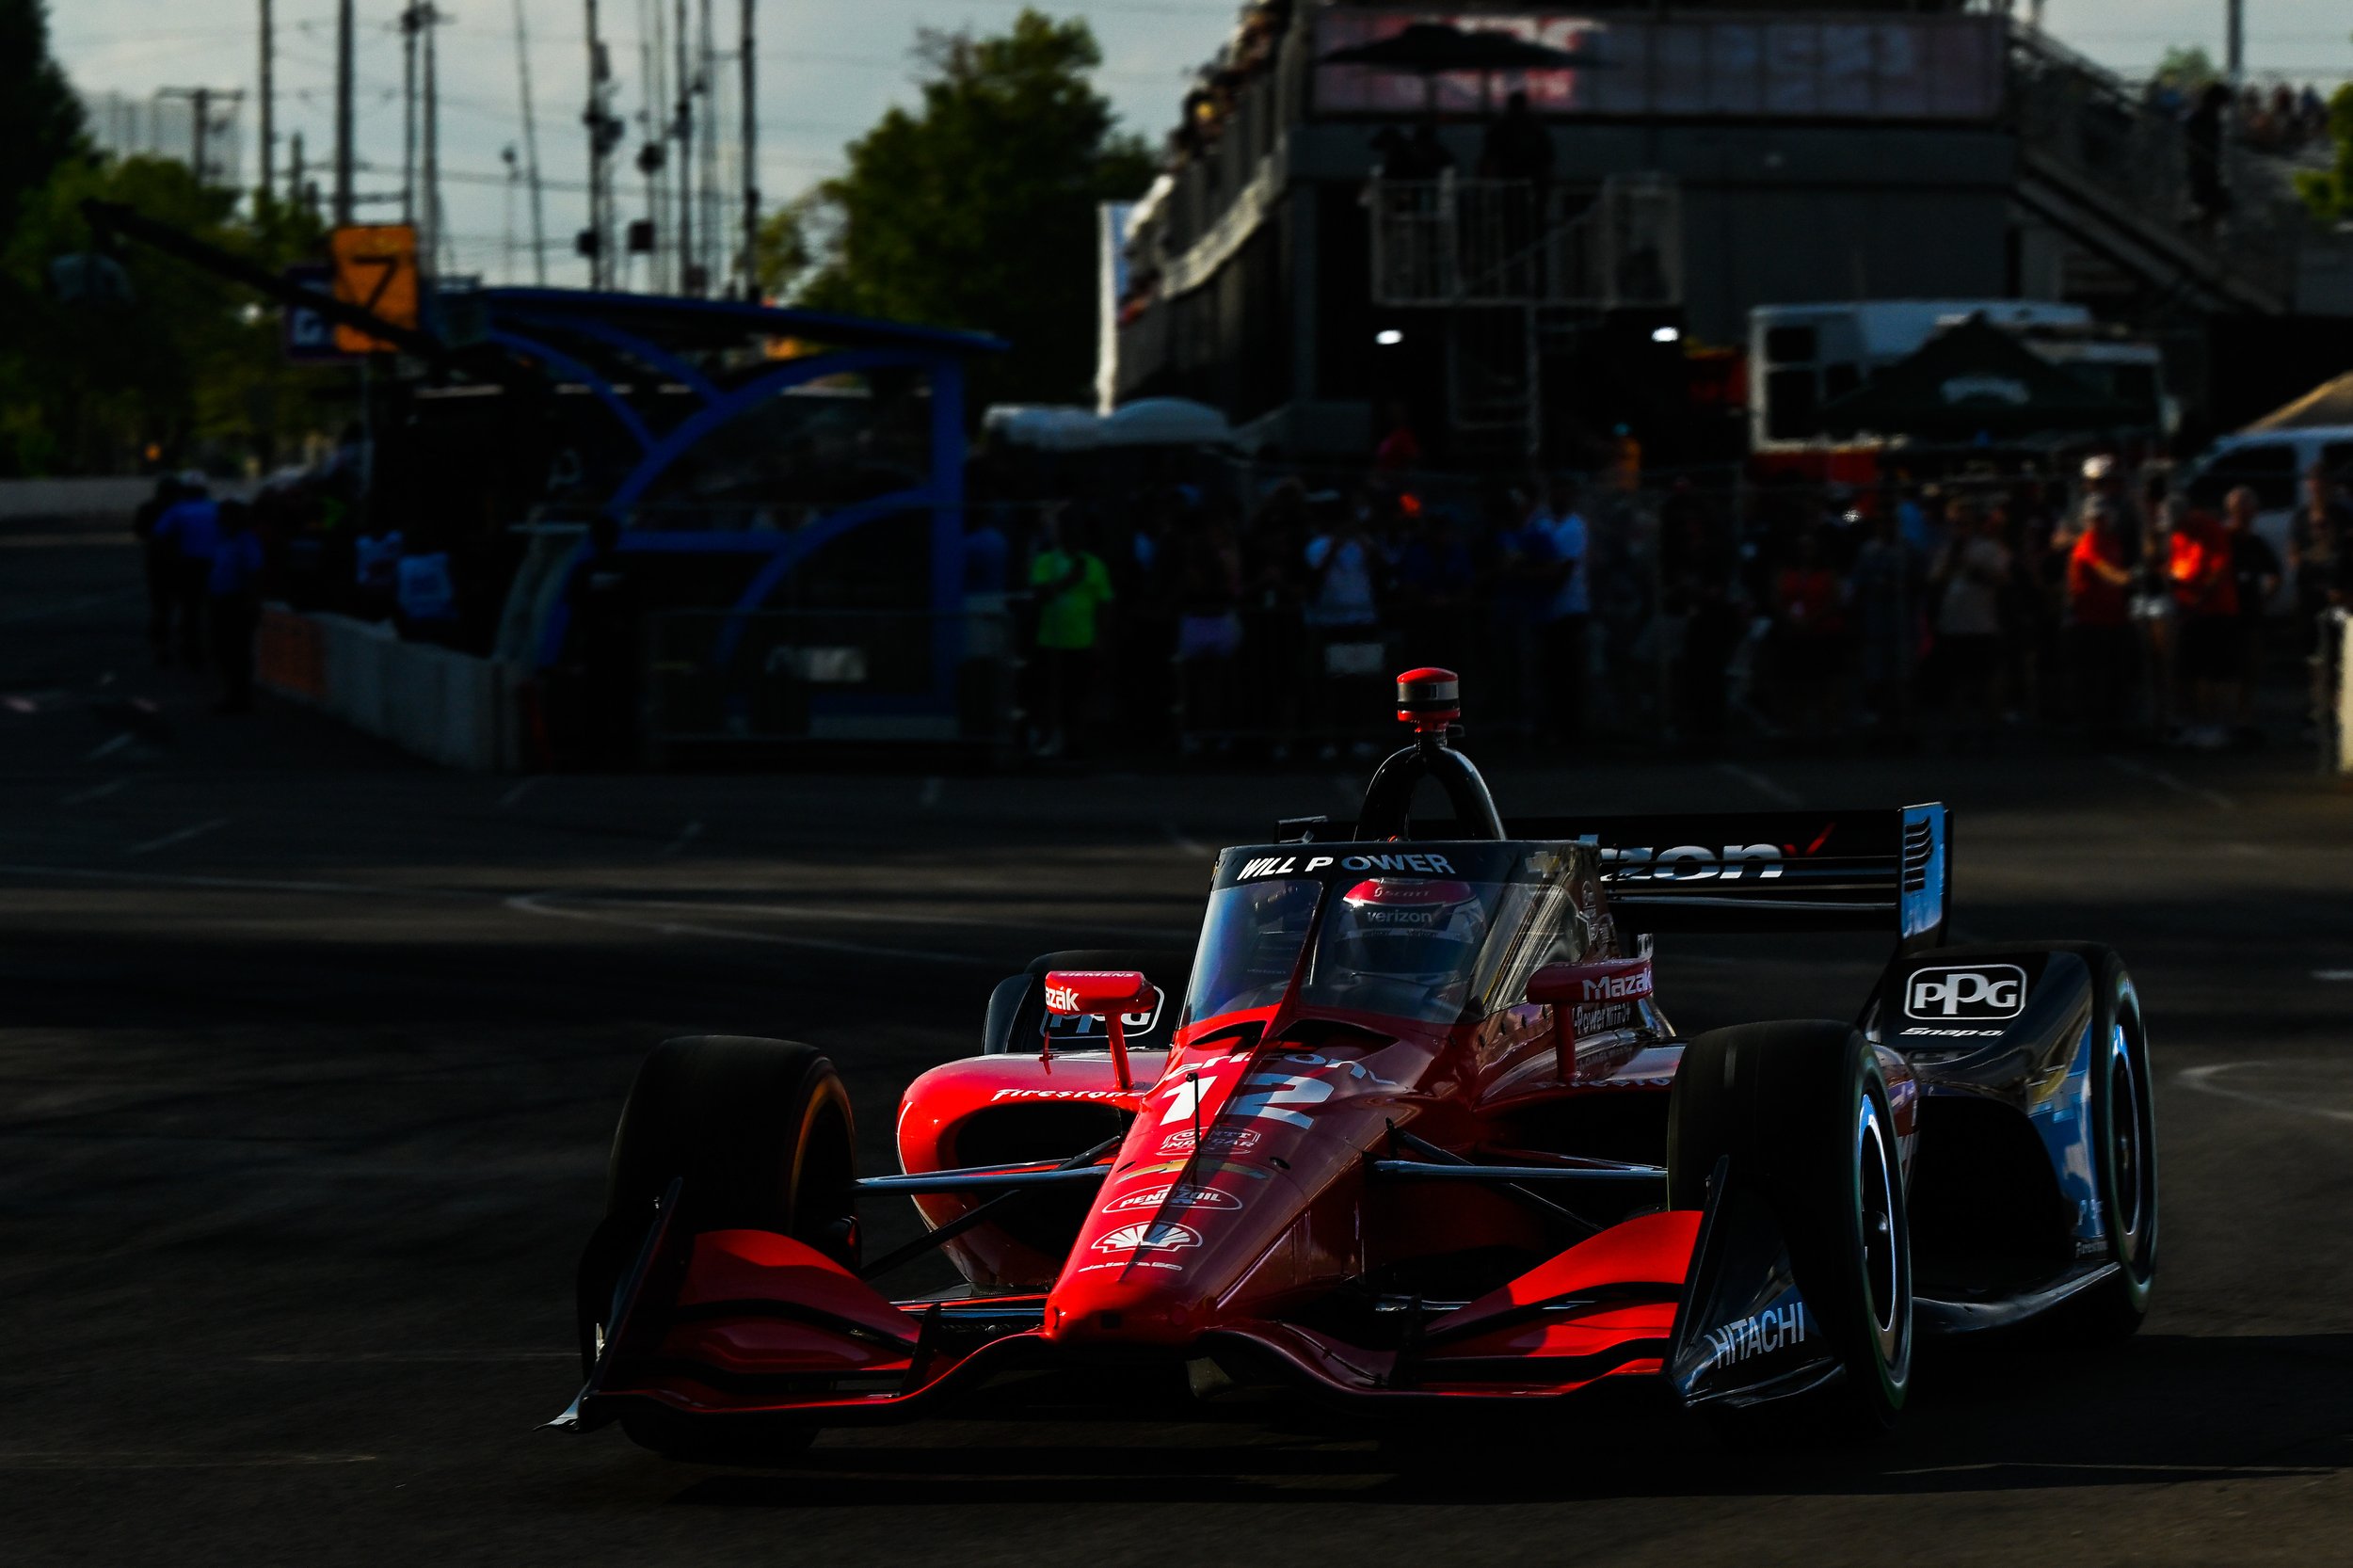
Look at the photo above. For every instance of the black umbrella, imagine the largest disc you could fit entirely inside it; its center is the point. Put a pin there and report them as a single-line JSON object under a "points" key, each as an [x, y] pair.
{"points": [[1428, 48]]}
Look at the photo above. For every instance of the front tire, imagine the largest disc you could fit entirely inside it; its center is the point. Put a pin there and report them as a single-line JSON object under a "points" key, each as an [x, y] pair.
{"points": [[1803, 1110], [759, 1135]]}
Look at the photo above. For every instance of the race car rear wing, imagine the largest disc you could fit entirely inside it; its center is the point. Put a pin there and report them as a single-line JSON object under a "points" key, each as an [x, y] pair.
{"points": [[1759, 871], [1774, 870]]}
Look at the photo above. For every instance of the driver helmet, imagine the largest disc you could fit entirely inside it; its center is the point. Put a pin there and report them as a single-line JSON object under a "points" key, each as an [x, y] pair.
{"points": [[1415, 928]]}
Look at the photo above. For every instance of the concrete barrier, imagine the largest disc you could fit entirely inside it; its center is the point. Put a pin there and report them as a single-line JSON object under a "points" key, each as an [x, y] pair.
{"points": [[454, 709], [93, 497]]}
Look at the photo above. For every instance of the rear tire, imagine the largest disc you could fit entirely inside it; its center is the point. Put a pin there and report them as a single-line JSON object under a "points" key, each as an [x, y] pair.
{"points": [[1801, 1109], [758, 1134]]}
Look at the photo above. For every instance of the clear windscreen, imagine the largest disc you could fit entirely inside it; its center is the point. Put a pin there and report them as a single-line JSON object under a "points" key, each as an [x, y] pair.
{"points": [[1426, 947]]}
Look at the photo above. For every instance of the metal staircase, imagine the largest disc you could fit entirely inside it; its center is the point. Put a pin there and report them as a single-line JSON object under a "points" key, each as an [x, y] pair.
{"points": [[1508, 262], [2114, 176]]}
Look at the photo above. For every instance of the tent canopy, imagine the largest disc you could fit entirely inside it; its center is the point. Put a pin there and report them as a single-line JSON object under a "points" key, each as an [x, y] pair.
{"points": [[1974, 379], [2329, 404]]}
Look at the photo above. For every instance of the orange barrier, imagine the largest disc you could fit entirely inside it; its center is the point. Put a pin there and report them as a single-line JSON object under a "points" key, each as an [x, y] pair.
{"points": [[290, 655]]}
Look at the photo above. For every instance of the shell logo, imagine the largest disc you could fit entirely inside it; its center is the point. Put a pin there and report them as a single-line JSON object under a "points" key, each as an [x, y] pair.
{"points": [[1175, 1196], [1155, 1236]]}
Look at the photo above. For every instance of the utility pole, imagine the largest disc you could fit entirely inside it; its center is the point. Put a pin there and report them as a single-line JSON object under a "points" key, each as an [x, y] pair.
{"points": [[293, 175], [343, 112], [431, 249], [269, 114], [706, 177], [202, 100], [410, 16], [596, 241], [530, 155], [653, 157], [2234, 43], [751, 166], [686, 268]]}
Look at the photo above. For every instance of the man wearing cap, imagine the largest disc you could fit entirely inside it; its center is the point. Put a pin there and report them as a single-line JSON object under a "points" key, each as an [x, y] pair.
{"points": [[186, 535], [2099, 627]]}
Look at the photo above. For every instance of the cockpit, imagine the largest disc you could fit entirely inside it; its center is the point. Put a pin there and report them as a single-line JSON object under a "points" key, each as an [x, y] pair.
{"points": [[1429, 936]]}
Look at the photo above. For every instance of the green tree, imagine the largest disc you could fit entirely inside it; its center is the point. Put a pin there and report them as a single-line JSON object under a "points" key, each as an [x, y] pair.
{"points": [[41, 119], [174, 359], [189, 364], [2329, 192], [978, 208], [2188, 71]]}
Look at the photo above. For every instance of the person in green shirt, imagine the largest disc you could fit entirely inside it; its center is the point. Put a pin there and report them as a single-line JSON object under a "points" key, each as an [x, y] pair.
{"points": [[1072, 586]]}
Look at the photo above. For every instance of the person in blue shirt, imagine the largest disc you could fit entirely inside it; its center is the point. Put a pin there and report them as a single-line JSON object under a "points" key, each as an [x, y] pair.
{"points": [[233, 587], [1567, 648], [184, 536], [1527, 578]]}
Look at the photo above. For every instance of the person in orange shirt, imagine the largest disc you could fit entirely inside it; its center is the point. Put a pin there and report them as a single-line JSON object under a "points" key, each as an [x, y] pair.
{"points": [[2099, 625], [2205, 593]]}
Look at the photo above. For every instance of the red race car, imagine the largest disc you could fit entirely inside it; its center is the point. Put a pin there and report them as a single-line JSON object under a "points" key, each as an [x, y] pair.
{"points": [[1414, 1128]]}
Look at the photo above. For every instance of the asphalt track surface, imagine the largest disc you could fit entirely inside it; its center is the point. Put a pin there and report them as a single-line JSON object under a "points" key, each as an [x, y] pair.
{"points": [[309, 1055]]}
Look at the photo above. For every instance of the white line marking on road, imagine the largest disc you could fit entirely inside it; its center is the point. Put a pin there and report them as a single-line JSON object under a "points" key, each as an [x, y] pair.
{"points": [[96, 791], [180, 838], [2165, 780], [1185, 845], [2332, 974], [1776, 792], [516, 793], [884, 917], [535, 904], [262, 885], [164, 1458], [107, 748], [686, 836], [2202, 1078], [929, 795]]}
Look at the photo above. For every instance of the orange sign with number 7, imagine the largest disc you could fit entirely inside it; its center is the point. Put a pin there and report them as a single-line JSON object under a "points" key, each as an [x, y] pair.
{"points": [[376, 269]]}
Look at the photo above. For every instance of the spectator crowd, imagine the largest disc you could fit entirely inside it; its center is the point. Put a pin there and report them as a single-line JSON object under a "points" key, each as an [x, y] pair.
{"points": [[1265, 613]]}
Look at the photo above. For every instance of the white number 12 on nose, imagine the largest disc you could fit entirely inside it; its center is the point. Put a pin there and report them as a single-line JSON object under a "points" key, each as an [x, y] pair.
{"points": [[1261, 1095]]}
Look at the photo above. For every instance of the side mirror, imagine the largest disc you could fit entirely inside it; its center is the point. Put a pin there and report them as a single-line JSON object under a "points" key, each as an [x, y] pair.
{"points": [[1600, 983], [1589, 998], [1104, 994]]}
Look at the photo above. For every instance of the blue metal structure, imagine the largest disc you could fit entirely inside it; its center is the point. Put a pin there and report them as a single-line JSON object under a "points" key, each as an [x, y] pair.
{"points": [[608, 342]]}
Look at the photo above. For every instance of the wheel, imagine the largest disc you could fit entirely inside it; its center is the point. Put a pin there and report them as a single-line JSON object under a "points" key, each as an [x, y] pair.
{"points": [[2124, 1154], [760, 1135], [1803, 1110]]}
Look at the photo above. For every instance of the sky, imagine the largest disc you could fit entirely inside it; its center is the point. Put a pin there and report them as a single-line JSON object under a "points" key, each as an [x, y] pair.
{"points": [[828, 68]]}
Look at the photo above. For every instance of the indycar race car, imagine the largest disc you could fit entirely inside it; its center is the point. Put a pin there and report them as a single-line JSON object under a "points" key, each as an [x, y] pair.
{"points": [[1412, 1129]]}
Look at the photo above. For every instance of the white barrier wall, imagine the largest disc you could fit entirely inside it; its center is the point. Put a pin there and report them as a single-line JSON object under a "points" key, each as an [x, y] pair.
{"points": [[2344, 695], [454, 709]]}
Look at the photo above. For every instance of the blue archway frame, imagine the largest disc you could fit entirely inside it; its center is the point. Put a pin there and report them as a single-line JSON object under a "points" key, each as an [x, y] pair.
{"points": [[938, 353]]}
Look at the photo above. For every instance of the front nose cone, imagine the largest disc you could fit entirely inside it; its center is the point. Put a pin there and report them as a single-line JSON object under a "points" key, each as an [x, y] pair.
{"points": [[1150, 1321]]}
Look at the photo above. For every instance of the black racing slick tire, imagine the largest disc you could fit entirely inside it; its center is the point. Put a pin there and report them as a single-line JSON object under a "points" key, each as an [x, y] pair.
{"points": [[1802, 1110], [2124, 1154], [759, 1135]]}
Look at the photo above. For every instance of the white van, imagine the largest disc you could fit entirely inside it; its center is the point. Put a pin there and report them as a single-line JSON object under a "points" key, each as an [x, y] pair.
{"points": [[2272, 463]]}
